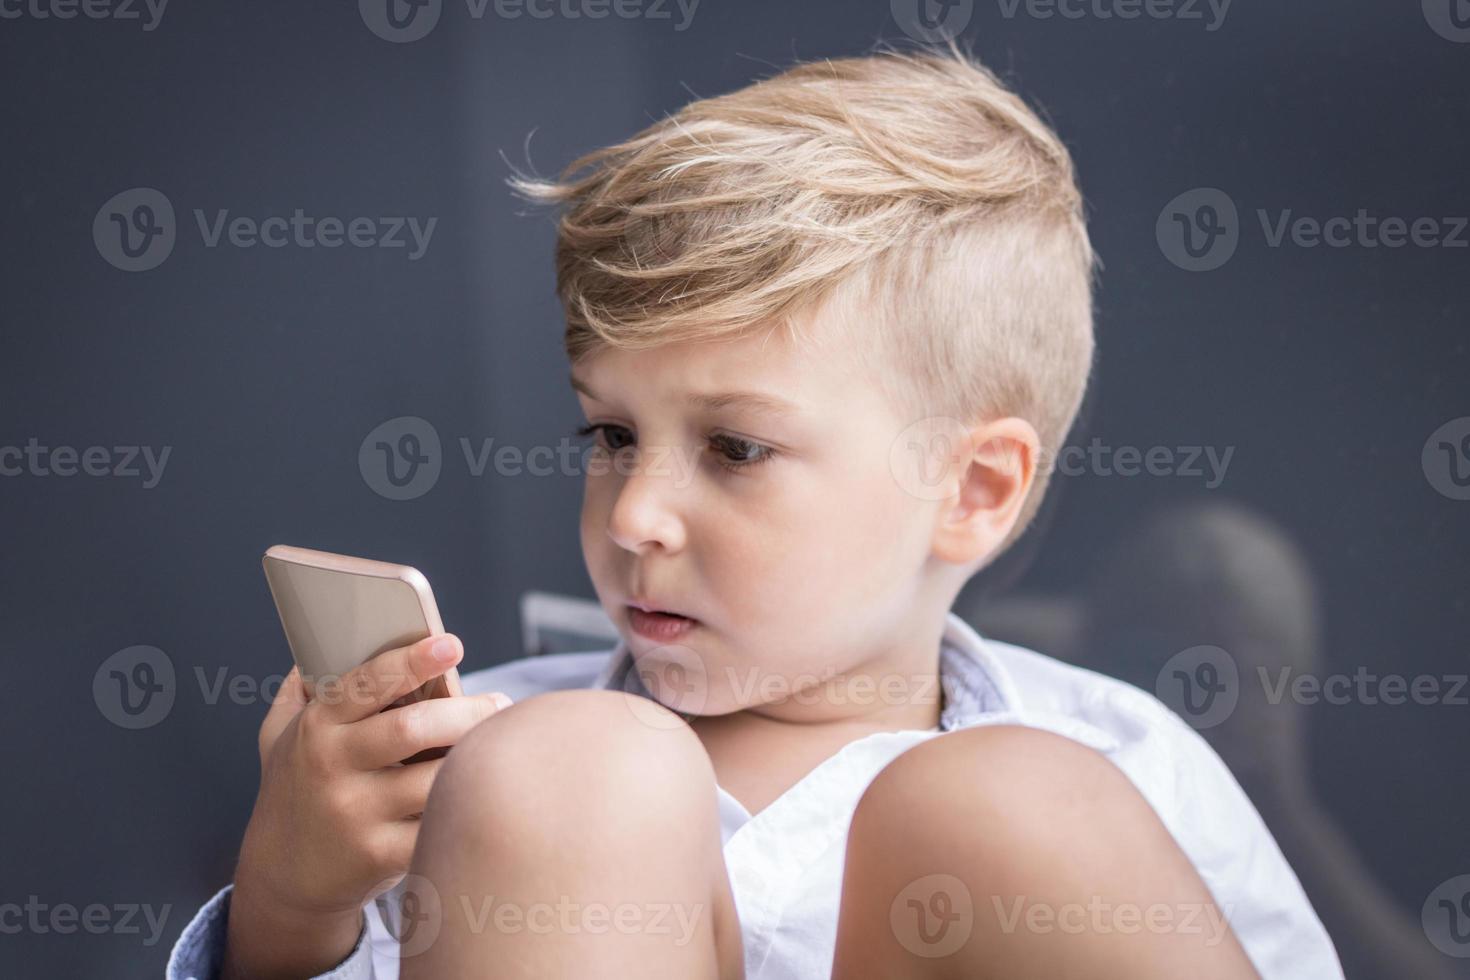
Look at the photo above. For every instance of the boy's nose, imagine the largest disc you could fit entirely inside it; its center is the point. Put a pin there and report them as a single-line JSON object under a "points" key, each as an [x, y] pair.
{"points": [[648, 512]]}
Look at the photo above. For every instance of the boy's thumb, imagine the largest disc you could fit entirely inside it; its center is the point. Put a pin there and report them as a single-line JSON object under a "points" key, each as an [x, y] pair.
{"points": [[287, 704]]}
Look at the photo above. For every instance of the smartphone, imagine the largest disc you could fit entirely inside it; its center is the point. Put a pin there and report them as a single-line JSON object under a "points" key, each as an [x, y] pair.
{"points": [[339, 612]]}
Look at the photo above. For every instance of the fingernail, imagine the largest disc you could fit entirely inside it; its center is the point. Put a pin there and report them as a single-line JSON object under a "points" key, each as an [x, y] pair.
{"points": [[501, 700], [443, 650]]}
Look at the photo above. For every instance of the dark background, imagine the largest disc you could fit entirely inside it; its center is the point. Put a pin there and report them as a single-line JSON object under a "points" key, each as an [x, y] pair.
{"points": [[264, 369]]}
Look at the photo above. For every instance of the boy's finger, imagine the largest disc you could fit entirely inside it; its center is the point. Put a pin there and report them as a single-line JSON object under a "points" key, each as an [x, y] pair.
{"points": [[390, 736], [376, 684], [291, 696], [403, 791], [287, 704]]}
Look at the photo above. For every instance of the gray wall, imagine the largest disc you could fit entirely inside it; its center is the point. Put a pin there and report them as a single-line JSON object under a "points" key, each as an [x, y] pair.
{"points": [[264, 369]]}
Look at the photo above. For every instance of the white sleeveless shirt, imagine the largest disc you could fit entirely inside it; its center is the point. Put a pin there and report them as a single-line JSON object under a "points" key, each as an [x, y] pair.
{"points": [[785, 863]]}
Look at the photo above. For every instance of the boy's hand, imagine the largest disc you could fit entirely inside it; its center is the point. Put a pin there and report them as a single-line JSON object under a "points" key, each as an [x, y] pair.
{"points": [[335, 816]]}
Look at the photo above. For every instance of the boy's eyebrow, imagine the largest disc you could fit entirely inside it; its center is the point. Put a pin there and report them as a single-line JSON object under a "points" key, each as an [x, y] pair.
{"points": [[749, 400]]}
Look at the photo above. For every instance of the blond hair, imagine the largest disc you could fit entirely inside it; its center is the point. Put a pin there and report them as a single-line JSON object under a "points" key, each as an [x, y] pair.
{"points": [[910, 193]]}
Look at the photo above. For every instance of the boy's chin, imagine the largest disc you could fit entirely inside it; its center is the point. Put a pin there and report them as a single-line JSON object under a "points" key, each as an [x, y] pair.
{"points": [[676, 676]]}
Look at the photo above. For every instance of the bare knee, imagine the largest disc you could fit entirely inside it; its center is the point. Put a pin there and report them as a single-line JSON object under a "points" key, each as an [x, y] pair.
{"points": [[1003, 806], [585, 761], [996, 778], [585, 800], [958, 838]]}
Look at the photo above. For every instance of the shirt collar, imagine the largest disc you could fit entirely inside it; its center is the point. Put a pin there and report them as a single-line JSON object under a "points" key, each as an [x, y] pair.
{"points": [[974, 681]]}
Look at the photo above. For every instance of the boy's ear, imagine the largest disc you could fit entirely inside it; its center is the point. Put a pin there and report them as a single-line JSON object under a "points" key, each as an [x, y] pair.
{"points": [[995, 469]]}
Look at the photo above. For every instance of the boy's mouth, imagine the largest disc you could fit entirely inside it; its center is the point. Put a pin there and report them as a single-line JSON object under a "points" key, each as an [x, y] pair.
{"points": [[659, 625], [651, 607]]}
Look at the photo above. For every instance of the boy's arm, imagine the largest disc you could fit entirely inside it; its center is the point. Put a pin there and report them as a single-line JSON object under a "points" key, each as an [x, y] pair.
{"points": [[335, 814], [199, 953], [1225, 835], [201, 948]]}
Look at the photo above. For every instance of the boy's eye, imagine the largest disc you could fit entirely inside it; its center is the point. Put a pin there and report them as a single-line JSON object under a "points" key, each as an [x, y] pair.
{"points": [[588, 430], [740, 453], [731, 452]]}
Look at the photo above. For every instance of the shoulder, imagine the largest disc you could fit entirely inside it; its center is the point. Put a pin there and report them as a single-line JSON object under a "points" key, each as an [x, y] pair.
{"points": [[526, 676], [1189, 787], [1120, 713], [1045, 683], [1169, 761]]}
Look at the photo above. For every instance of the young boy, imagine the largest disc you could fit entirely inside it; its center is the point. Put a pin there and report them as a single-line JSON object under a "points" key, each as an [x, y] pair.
{"points": [[826, 330]]}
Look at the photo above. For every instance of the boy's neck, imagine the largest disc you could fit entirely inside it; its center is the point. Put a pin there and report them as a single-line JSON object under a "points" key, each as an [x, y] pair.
{"points": [[902, 690], [758, 756]]}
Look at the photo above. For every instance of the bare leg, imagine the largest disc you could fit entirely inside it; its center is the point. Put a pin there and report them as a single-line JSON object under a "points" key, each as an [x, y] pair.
{"points": [[1004, 851], [576, 834]]}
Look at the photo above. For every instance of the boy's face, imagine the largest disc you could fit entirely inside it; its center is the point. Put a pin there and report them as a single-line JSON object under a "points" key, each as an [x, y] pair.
{"points": [[807, 562]]}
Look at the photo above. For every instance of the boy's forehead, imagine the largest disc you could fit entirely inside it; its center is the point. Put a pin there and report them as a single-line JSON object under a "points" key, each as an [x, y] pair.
{"points": [[766, 372]]}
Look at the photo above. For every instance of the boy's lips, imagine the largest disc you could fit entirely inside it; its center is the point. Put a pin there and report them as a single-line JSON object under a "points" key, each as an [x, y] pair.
{"points": [[650, 606], [659, 626]]}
